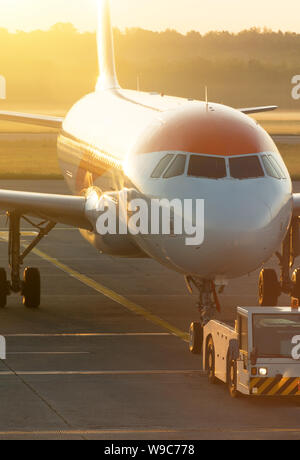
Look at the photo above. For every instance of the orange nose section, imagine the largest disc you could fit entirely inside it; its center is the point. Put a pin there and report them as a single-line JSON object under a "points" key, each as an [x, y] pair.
{"points": [[218, 131]]}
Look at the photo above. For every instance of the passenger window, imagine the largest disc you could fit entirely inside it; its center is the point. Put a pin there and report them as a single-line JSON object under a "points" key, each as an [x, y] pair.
{"points": [[176, 168], [270, 167], [160, 168], [208, 167], [246, 167]]}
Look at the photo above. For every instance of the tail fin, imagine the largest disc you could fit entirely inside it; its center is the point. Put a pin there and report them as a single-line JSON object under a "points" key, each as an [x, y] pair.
{"points": [[2, 87], [106, 55]]}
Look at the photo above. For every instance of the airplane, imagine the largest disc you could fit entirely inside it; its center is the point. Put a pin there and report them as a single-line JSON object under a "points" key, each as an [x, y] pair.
{"points": [[153, 145]]}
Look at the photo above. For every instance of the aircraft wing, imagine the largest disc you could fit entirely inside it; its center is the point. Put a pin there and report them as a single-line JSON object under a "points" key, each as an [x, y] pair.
{"points": [[267, 108], [32, 119], [64, 209]]}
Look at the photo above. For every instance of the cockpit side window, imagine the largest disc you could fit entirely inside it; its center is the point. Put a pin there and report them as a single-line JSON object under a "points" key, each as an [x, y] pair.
{"points": [[208, 167], [161, 167], [176, 168], [277, 167], [271, 167], [247, 167]]}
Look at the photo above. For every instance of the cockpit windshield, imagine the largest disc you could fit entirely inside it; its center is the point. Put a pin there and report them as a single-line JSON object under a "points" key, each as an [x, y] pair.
{"points": [[208, 167], [247, 167], [216, 167], [273, 334]]}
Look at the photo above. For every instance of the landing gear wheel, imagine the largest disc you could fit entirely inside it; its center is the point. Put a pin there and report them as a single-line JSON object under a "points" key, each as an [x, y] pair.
{"points": [[232, 378], [211, 362], [31, 288], [3, 288], [196, 338], [269, 288], [296, 284]]}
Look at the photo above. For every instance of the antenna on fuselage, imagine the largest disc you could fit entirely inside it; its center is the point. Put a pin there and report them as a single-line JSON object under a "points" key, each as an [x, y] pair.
{"points": [[107, 69], [138, 82]]}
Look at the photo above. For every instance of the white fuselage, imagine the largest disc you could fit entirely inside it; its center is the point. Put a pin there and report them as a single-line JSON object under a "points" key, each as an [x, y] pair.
{"points": [[114, 139]]}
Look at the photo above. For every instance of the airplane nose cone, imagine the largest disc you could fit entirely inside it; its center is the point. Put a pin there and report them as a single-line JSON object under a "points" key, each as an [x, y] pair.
{"points": [[239, 236], [239, 222]]}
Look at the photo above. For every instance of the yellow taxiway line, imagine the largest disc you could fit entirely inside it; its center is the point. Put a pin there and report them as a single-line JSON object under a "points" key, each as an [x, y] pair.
{"points": [[128, 304]]}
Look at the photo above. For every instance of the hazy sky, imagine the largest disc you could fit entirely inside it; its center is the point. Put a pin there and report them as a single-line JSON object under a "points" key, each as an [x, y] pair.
{"points": [[184, 15]]}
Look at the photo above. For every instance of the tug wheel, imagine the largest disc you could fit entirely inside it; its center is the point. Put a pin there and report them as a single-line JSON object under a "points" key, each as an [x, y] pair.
{"points": [[211, 362], [232, 378]]}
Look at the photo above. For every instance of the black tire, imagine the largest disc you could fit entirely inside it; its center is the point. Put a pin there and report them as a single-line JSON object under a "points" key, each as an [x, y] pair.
{"points": [[232, 378], [196, 338], [296, 284], [3, 288], [210, 362], [269, 288], [31, 288]]}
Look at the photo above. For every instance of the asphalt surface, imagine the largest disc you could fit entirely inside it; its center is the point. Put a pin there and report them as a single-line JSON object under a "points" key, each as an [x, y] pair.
{"points": [[89, 365]]}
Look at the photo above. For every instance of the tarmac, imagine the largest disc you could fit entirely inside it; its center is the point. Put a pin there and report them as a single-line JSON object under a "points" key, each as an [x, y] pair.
{"points": [[105, 356]]}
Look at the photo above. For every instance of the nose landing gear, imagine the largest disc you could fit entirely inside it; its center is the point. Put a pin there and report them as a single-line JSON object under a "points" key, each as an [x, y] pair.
{"points": [[30, 286], [208, 300], [207, 305], [196, 338]]}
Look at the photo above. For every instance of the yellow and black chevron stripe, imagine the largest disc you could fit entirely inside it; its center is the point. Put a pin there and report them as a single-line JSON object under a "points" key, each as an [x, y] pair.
{"points": [[275, 386]]}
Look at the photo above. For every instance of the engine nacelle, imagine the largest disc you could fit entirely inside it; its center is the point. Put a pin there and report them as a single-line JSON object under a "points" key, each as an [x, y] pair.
{"points": [[111, 243]]}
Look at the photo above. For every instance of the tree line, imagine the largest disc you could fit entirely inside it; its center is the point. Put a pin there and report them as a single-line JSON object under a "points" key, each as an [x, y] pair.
{"points": [[54, 68]]}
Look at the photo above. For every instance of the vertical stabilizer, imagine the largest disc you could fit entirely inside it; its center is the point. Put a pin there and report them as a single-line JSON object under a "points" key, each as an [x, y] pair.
{"points": [[106, 54], [2, 87]]}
